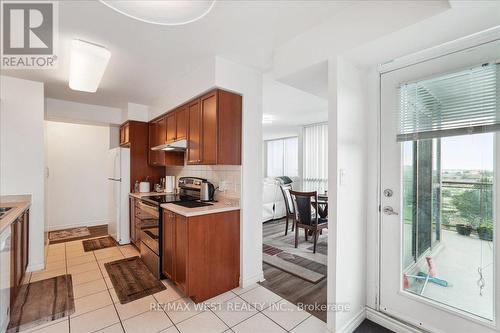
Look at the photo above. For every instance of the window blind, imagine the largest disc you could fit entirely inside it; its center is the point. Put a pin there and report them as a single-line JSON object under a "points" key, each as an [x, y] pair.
{"points": [[315, 158], [464, 102]]}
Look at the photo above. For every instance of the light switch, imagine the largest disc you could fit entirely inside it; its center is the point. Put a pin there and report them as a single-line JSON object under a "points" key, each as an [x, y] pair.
{"points": [[342, 177]]}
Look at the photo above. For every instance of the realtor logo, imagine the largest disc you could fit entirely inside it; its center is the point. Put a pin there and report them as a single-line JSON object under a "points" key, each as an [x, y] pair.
{"points": [[29, 34]]}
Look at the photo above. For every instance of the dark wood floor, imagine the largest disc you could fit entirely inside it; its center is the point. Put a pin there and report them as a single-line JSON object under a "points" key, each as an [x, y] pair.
{"points": [[291, 287], [368, 326]]}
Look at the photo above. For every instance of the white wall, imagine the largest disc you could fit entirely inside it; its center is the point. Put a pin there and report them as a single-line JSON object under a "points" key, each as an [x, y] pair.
{"points": [[195, 83], [347, 183], [72, 112], [135, 111], [248, 82], [22, 153], [77, 185]]}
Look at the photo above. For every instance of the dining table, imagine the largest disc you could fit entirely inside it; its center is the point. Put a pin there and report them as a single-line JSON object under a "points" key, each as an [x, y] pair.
{"points": [[321, 206]]}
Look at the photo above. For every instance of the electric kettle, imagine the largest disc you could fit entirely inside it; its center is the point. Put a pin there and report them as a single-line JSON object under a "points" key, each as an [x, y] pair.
{"points": [[207, 191]]}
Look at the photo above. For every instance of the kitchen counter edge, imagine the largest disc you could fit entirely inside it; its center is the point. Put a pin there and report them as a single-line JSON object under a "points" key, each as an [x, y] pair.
{"points": [[19, 204], [218, 207]]}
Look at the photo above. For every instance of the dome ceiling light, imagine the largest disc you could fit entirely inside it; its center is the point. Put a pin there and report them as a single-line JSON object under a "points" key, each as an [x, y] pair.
{"points": [[173, 12]]}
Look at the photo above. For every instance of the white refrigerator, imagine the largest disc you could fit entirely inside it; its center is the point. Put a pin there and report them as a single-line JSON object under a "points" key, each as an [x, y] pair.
{"points": [[119, 188]]}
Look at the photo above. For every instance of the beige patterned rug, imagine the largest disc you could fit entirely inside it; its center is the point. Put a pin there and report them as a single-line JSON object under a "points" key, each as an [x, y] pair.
{"points": [[66, 234]]}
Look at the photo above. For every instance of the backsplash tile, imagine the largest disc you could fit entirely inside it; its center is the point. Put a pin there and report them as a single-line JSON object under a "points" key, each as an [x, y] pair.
{"points": [[230, 174]]}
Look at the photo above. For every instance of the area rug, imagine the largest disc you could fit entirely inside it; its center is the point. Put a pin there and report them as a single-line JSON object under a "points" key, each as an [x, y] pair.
{"points": [[98, 243], [270, 250], [132, 280], [67, 234], [321, 247], [41, 302], [284, 262]]}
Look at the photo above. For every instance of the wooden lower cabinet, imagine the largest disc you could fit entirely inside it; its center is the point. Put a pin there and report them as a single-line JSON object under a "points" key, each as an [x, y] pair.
{"points": [[201, 254], [19, 253]]}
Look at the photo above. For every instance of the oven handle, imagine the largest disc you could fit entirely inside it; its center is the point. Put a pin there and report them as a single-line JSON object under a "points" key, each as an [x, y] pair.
{"points": [[150, 209]]}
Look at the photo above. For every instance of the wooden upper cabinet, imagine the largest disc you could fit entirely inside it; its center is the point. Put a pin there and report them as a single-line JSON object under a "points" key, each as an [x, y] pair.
{"points": [[182, 122], [171, 120], [194, 133], [212, 126], [229, 122], [125, 134], [161, 134], [156, 157], [208, 104]]}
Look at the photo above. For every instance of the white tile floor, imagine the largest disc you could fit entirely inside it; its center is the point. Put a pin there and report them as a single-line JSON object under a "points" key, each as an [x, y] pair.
{"points": [[97, 309]]}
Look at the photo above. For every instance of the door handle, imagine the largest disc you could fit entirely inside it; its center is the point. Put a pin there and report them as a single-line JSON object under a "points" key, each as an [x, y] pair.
{"points": [[388, 210]]}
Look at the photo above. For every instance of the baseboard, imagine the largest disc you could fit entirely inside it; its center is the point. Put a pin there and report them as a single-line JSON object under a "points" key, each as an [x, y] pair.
{"points": [[35, 267], [77, 225], [389, 322], [251, 280], [354, 322]]}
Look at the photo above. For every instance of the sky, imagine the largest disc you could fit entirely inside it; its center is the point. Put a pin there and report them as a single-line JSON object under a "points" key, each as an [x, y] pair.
{"points": [[466, 152]]}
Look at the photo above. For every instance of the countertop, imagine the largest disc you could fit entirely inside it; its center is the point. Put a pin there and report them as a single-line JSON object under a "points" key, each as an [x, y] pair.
{"points": [[19, 204], [225, 205], [146, 194]]}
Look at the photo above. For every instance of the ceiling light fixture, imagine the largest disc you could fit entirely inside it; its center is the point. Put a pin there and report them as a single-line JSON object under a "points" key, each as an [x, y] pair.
{"points": [[173, 12], [267, 118], [88, 63]]}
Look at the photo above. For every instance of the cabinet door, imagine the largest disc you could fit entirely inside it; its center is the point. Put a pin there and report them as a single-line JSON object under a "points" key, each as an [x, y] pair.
{"points": [[181, 122], [168, 244], [126, 134], [181, 253], [18, 249], [25, 241], [171, 127], [208, 105], [161, 132], [132, 219], [156, 157], [194, 134]]}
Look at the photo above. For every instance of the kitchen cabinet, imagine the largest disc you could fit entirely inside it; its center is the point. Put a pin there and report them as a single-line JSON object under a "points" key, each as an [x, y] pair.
{"points": [[137, 134], [214, 129], [158, 130], [125, 134], [194, 133], [168, 238], [199, 248], [19, 253], [157, 137], [181, 121], [133, 234], [171, 130], [212, 126]]}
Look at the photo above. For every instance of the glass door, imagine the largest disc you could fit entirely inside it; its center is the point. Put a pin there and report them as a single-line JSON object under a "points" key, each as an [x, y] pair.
{"points": [[439, 169]]}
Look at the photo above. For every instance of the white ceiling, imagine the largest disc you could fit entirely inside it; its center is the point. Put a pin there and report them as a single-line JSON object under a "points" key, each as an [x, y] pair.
{"points": [[313, 79], [291, 107], [147, 58]]}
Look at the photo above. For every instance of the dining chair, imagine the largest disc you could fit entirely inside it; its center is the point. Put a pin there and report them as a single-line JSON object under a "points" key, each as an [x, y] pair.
{"points": [[305, 217], [285, 189]]}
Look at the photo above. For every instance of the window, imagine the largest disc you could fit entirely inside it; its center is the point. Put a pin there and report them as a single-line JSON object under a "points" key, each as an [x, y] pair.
{"points": [[315, 165], [446, 127], [282, 157]]}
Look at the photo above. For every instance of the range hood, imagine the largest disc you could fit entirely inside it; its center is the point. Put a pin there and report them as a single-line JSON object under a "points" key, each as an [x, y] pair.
{"points": [[179, 145]]}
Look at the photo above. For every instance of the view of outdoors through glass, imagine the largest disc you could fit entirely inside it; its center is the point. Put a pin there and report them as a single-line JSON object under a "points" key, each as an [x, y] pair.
{"points": [[448, 221]]}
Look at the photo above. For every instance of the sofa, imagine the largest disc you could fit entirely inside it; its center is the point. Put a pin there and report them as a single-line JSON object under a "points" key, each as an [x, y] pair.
{"points": [[272, 198]]}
